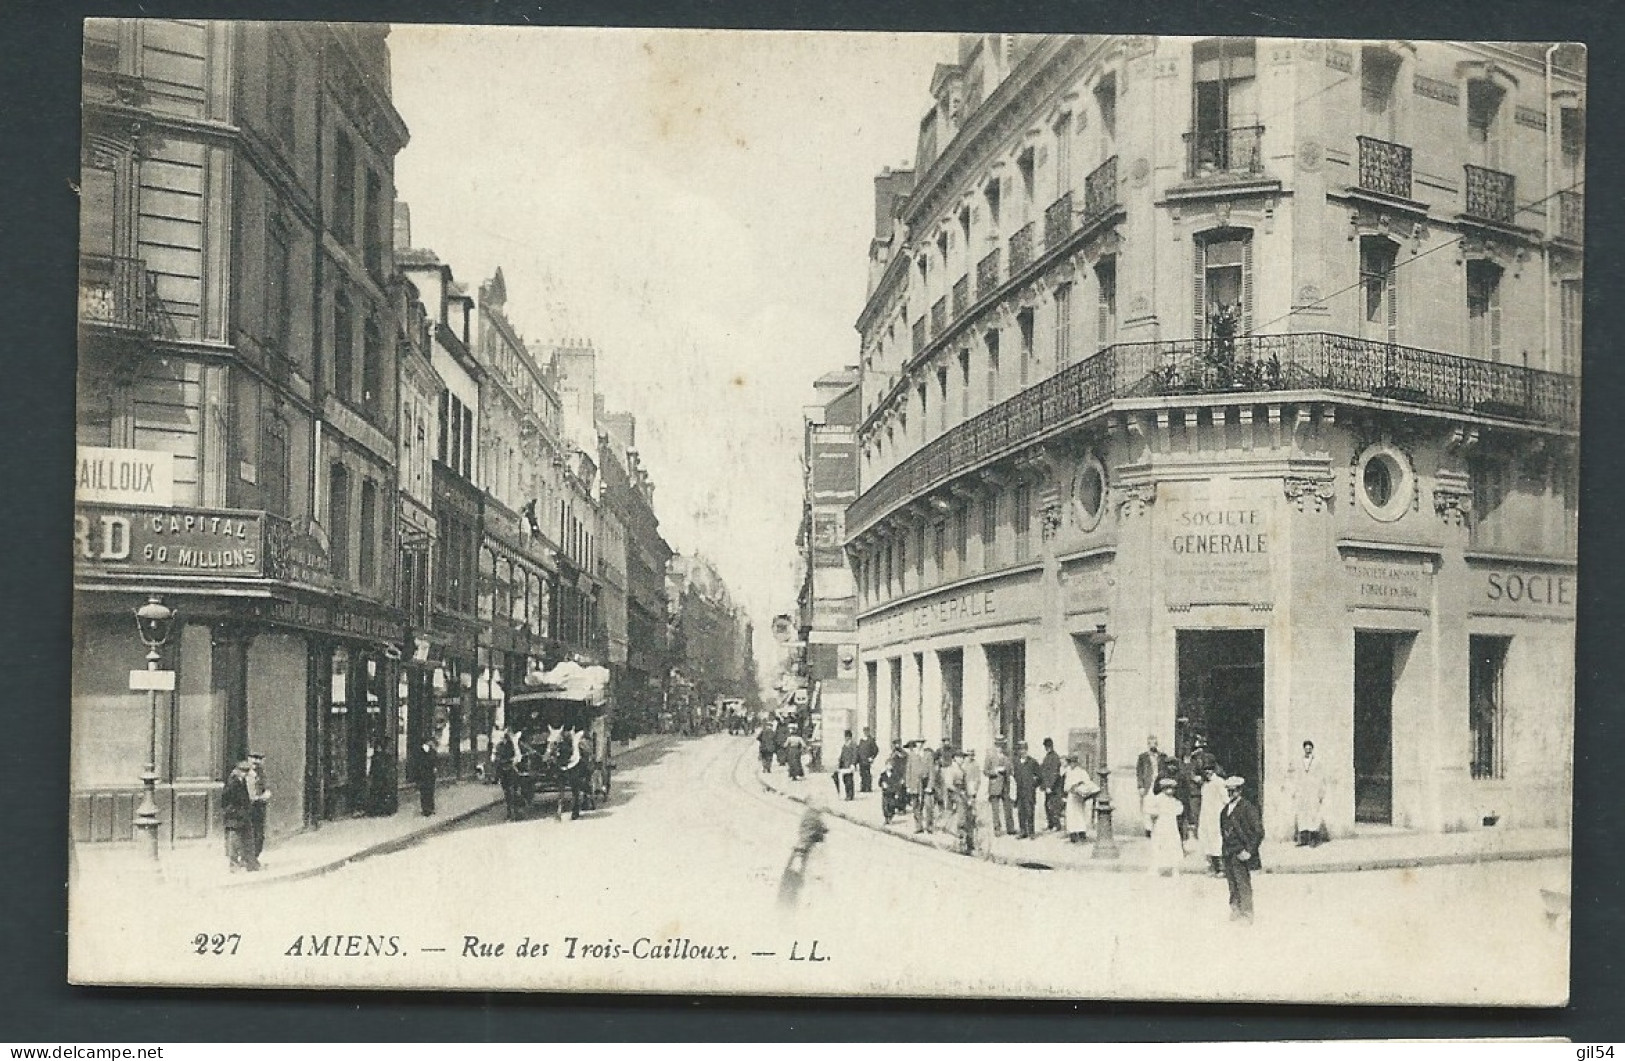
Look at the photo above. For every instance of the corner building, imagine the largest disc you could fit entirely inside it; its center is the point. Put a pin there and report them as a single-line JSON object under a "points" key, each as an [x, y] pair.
{"points": [[1231, 386]]}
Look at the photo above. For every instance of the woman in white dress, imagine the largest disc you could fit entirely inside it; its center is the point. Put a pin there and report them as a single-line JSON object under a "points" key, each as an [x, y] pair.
{"points": [[1081, 791], [1214, 796], [1167, 846]]}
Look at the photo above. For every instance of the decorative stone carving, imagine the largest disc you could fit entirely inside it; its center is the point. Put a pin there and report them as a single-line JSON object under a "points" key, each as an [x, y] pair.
{"points": [[1049, 515], [1134, 499], [1454, 504], [1310, 154], [1310, 494]]}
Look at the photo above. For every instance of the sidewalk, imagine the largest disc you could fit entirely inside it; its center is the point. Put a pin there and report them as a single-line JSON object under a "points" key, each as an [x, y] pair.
{"points": [[312, 852], [1380, 848]]}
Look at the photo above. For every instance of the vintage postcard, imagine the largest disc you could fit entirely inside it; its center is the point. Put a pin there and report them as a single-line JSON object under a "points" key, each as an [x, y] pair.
{"points": [[826, 513]]}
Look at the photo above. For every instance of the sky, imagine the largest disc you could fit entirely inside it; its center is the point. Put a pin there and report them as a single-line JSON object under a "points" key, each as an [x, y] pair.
{"points": [[699, 205]]}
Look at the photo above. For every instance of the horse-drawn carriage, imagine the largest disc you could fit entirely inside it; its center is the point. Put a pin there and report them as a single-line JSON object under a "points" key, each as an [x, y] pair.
{"points": [[556, 741]]}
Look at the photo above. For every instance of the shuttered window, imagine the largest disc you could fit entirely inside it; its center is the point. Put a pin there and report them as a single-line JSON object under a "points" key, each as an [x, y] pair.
{"points": [[1223, 279], [1484, 310]]}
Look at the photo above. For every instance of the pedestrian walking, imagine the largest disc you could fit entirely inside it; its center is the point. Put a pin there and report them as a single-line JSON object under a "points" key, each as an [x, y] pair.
{"points": [[260, 793], [894, 783], [1192, 778], [1309, 799], [1149, 768], [1242, 832], [1167, 843], [810, 832], [868, 751], [921, 792], [795, 746], [846, 767], [236, 804], [1029, 779], [767, 746], [997, 772], [1214, 797], [1054, 794], [426, 779], [1081, 791]]}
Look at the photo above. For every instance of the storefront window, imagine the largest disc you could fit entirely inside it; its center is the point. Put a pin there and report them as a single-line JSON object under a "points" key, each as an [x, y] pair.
{"points": [[1486, 708]]}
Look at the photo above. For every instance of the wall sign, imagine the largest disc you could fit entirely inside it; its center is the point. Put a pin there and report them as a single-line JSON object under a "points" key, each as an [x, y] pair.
{"points": [[1523, 592], [124, 477], [1217, 550], [199, 542], [1388, 582]]}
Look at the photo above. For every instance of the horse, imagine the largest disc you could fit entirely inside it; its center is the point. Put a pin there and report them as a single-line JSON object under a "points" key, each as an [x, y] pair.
{"points": [[509, 757], [572, 768]]}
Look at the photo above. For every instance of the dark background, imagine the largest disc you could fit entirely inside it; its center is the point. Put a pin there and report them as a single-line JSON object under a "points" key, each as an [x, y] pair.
{"points": [[39, 120]]}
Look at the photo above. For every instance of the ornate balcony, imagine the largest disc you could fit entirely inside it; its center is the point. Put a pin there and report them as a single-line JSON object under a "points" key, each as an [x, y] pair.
{"points": [[919, 335], [115, 292], [987, 273], [1100, 190], [961, 296], [1021, 248], [1490, 195], [1307, 361], [1221, 152], [1058, 221], [1571, 216], [1385, 168]]}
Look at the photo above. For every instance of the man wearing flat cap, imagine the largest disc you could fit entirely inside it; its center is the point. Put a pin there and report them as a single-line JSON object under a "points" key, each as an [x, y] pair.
{"points": [[1242, 831], [260, 794]]}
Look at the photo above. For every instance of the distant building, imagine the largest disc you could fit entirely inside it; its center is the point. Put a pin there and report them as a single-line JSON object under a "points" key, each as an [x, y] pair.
{"points": [[827, 601], [1244, 372]]}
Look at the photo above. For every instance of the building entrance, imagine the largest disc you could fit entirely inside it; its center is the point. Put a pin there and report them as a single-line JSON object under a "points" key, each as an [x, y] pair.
{"points": [[952, 664], [1378, 658], [1221, 696], [1007, 676]]}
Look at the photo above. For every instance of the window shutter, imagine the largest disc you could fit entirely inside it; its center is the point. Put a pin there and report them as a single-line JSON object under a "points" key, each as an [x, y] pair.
{"points": [[1392, 284], [1199, 256], [1495, 318], [1247, 286]]}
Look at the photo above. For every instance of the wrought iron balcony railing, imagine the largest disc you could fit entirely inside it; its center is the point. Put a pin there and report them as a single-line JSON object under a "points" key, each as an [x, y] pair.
{"points": [[1021, 248], [987, 273], [1304, 361], [961, 295], [919, 334], [1571, 216], [1215, 152], [939, 317], [1490, 195], [1385, 168], [1100, 189], [1058, 221], [115, 292]]}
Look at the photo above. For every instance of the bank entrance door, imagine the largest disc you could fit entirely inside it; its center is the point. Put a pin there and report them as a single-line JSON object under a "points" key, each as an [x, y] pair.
{"points": [[1007, 675], [1378, 658], [1221, 696], [952, 664]]}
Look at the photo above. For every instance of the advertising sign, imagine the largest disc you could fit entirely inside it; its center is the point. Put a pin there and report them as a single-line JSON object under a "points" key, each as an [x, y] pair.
{"points": [[198, 542], [124, 477]]}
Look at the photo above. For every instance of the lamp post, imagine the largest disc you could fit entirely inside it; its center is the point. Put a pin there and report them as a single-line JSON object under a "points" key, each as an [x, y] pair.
{"points": [[1105, 841], [153, 621]]}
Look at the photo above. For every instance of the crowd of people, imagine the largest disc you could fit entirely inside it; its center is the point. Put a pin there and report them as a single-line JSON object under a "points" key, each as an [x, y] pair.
{"points": [[1187, 803]]}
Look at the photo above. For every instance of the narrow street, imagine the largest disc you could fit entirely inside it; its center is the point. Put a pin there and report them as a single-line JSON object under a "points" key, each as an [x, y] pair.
{"points": [[690, 848]]}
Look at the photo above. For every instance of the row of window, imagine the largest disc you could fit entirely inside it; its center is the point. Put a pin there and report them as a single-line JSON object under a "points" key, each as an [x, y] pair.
{"points": [[1223, 299], [927, 554], [339, 502]]}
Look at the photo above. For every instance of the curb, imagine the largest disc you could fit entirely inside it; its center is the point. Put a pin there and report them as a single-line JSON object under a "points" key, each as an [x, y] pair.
{"points": [[1358, 865], [405, 840]]}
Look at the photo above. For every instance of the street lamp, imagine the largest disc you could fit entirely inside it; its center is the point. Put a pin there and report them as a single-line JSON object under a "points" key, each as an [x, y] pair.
{"points": [[153, 621], [1105, 841]]}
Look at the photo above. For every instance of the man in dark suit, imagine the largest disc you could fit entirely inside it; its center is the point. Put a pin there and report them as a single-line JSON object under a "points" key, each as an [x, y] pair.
{"points": [[868, 750], [1054, 794], [1151, 767], [1029, 778], [1241, 831]]}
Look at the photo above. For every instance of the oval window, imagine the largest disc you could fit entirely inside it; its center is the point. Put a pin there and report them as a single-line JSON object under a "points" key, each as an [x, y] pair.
{"points": [[1386, 480]]}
